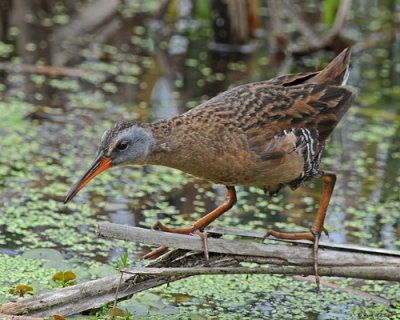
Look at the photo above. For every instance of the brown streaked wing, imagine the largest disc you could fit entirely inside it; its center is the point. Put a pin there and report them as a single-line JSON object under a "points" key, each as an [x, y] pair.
{"points": [[292, 79], [270, 110], [281, 160], [322, 108]]}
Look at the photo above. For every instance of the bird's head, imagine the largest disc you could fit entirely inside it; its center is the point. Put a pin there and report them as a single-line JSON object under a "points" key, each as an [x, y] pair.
{"points": [[125, 143]]}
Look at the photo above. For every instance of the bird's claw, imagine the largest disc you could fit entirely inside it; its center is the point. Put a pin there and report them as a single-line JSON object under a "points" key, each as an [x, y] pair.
{"points": [[157, 225], [266, 236], [189, 231], [155, 253]]}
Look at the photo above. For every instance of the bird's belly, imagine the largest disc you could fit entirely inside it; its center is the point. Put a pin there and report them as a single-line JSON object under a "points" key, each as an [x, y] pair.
{"points": [[226, 158], [248, 173]]}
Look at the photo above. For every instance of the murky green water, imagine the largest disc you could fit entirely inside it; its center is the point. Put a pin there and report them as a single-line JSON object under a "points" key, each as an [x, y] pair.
{"points": [[51, 124]]}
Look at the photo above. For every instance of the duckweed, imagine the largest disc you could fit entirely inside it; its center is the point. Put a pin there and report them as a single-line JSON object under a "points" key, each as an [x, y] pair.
{"points": [[42, 236]]}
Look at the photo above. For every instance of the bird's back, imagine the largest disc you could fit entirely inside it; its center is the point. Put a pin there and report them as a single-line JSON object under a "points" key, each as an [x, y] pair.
{"points": [[304, 100], [267, 133]]}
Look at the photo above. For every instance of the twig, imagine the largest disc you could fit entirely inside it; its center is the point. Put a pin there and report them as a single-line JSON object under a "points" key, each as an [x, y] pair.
{"points": [[162, 9], [89, 18], [294, 14], [277, 33], [46, 70], [9, 316], [339, 20], [342, 271], [117, 290]]}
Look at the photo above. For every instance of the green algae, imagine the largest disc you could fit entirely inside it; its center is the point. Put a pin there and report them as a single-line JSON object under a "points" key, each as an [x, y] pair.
{"points": [[19, 270], [5, 49], [157, 186], [38, 267], [43, 160], [261, 296], [24, 217]]}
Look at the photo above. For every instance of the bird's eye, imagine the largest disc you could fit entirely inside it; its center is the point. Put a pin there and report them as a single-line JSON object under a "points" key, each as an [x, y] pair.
{"points": [[122, 146]]}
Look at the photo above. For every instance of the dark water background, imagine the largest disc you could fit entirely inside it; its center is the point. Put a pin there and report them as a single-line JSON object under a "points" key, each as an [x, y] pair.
{"points": [[126, 65]]}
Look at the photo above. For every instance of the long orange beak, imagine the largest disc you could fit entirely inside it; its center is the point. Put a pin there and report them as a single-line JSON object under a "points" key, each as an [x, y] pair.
{"points": [[99, 165]]}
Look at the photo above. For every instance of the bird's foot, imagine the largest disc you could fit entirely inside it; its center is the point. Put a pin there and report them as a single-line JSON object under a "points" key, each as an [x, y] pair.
{"points": [[312, 236], [155, 253], [159, 226], [189, 231]]}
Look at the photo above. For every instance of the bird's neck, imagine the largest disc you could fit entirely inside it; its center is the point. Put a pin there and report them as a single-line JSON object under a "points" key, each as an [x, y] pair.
{"points": [[164, 134], [170, 148]]}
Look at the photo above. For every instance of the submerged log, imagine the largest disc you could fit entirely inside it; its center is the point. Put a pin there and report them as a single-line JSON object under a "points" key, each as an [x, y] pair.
{"points": [[226, 256]]}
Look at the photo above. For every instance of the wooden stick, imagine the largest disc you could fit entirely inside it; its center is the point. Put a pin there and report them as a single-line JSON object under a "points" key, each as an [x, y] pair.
{"points": [[282, 254], [8, 316], [46, 70], [89, 18], [364, 272], [294, 13], [339, 20], [322, 244]]}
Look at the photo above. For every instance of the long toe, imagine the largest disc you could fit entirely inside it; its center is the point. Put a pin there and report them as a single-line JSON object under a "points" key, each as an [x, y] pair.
{"points": [[156, 252], [315, 258]]}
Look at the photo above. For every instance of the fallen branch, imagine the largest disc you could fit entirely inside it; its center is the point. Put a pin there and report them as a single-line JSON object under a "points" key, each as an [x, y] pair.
{"points": [[8, 316], [385, 273], [322, 244], [226, 257], [278, 254]]}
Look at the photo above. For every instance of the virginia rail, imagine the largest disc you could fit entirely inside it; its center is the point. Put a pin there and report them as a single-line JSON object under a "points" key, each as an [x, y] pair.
{"points": [[267, 134]]}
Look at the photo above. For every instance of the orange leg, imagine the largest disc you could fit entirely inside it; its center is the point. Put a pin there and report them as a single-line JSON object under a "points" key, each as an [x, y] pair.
{"points": [[200, 224], [329, 179]]}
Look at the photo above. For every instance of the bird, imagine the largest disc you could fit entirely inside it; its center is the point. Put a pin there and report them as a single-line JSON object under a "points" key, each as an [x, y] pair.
{"points": [[268, 134]]}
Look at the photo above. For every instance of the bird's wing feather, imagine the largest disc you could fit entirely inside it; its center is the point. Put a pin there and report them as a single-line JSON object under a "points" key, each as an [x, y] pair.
{"points": [[261, 109], [281, 160], [292, 79]]}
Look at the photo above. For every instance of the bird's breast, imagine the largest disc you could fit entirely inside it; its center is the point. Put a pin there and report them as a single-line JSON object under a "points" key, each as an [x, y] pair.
{"points": [[226, 158]]}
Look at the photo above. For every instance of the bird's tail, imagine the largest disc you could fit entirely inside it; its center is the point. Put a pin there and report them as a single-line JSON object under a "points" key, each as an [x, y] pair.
{"points": [[336, 72]]}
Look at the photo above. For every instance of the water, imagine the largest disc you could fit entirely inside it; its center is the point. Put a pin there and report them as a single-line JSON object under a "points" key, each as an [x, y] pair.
{"points": [[129, 67]]}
